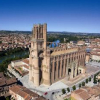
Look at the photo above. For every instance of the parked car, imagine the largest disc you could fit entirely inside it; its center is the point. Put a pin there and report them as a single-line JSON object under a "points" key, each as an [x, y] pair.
{"points": [[45, 93]]}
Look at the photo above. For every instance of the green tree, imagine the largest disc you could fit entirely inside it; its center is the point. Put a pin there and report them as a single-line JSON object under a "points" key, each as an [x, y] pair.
{"points": [[63, 91], [86, 80], [89, 79], [0, 42], [68, 89], [80, 85], [99, 80], [4, 64], [95, 79], [74, 87], [83, 83], [7, 98]]}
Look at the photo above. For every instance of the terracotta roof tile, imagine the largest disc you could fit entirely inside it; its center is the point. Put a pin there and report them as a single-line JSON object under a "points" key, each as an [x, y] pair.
{"points": [[84, 95], [41, 98], [26, 61], [26, 66], [15, 89], [11, 81], [1, 74], [31, 93], [23, 94], [2, 82]]}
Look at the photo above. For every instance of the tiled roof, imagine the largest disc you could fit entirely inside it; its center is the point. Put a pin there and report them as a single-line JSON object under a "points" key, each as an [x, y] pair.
{"points": [[41, 98], [11, 81], [2, 82], [1, 74], [23, 92], [86, 92], [26, 66], [31, 93], [26, 61], [28, 98], [84, 95], [15, 89]]}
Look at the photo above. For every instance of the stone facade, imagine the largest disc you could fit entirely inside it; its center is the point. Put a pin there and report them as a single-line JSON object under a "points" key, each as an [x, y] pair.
{"points": [[48, 65], [87, 58]]}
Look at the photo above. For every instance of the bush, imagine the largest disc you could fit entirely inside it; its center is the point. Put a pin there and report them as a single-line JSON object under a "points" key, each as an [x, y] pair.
{"points": [[99, 80], [74, 87], [68, 89], [89, 79], [7, 98], [83, 83], [80, 85], [95, 79], [86, 80], [63, 91]]}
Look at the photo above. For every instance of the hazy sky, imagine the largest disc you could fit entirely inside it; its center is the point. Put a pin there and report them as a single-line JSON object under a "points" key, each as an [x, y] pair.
{"points": [[60, 15]]}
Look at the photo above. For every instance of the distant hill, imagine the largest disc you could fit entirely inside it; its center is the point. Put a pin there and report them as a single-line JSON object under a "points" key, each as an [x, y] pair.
{"points": [[8, 31], [74, 33], [50, 32]]}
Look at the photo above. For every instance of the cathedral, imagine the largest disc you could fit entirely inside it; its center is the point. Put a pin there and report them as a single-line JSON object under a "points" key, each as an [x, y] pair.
{"points": [[49, 65]]}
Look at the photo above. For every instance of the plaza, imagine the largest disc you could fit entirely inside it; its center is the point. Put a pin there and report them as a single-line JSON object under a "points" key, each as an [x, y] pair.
{"points": [[58, 86]]}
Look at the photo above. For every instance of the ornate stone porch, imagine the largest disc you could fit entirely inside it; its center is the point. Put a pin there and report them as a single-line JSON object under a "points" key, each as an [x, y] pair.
{"points": [[73, 81]]}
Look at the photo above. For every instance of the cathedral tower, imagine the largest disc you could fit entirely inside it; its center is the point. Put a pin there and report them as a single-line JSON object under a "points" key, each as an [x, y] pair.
{"points": [[37, 52]]}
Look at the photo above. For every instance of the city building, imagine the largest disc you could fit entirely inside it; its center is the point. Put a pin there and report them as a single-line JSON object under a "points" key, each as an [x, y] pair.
{"points": [[86, 93], [94, 48], [14, 40], [21, 93], [21, 66], [49, 65], [95, 53], [5, 84], [87, 59], [80, 43]]}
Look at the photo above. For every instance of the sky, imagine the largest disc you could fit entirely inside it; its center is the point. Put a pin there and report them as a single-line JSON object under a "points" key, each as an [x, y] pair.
{"points": [[60, 15]]}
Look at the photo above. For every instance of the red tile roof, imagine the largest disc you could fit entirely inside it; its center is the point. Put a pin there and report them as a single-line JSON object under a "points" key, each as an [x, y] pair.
{"points": [[26, 61]]}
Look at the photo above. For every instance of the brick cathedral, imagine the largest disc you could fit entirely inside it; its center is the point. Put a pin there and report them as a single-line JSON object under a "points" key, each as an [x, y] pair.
{"points": [[49, 65]]}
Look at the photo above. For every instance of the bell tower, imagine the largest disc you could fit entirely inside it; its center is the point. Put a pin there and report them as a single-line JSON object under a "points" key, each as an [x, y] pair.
{"points": [[37, 51]]}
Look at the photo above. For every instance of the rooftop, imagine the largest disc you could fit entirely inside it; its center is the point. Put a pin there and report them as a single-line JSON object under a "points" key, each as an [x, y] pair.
{"points": [[26, 61], [64, 51], [25, 93]]}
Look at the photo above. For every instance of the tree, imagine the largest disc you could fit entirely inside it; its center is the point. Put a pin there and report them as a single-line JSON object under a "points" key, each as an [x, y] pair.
{"points": [[80, 85], [7, 98], [68, 89], [89, 79], [63, 91], [95, 80], [83, 83], [99, 80], [86, 80], [74, 87]]}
